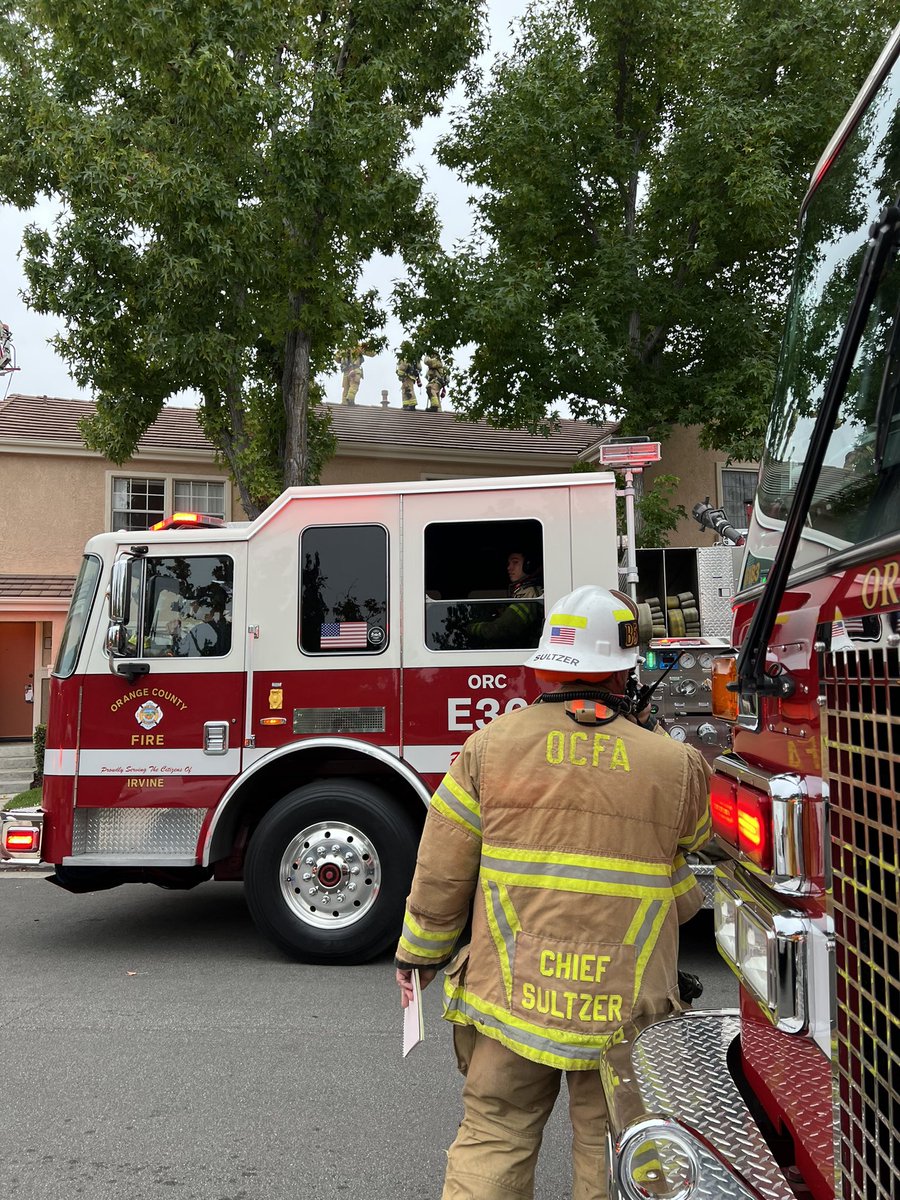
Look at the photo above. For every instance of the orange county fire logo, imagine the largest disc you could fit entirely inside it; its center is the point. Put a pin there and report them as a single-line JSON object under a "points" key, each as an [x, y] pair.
{"points": [[149, 715]]}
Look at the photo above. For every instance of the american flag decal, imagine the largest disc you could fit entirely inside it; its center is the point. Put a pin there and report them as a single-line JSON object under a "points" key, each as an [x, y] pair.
{"points": [[344, 635], [562, 635]]}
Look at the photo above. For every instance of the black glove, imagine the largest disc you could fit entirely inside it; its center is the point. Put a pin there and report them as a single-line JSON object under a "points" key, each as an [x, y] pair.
{"points": [[689, 987]]}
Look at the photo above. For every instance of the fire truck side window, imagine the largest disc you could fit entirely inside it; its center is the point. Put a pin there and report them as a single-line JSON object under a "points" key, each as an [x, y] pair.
{"points": [[343, 589], [484, 585], [182, 605]]}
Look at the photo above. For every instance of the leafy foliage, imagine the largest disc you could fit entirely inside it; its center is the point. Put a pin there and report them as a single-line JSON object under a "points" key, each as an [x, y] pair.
{"points": [[639, 169], [657, 515], [227, 168], [39, 737]]}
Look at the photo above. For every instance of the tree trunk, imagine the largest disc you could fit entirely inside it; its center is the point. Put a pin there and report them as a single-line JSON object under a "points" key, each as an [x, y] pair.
{"points": [[295, 393]]}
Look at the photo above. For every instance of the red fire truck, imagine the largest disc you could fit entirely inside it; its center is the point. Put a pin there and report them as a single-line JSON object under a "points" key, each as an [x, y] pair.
{"points": [[798, 1092], [275, 701]]}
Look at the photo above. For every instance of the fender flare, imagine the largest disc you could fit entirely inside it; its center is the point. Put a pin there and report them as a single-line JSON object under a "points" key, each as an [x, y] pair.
{"points": [[385, 757]]}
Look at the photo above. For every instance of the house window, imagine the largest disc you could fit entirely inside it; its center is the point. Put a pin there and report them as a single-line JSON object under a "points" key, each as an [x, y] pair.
{"points": [[202, 496], [738, 490], [475, 596], [139, 502], [343, 589]]}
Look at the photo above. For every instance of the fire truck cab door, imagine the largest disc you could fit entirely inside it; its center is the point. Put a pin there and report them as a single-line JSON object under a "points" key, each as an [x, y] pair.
{"points": [[162, 707]]}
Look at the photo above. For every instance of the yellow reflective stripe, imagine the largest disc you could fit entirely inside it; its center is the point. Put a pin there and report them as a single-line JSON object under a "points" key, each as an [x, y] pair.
{"points": [[429, 935], [594, 861], [420, 952], [637, 921], [623, 614], [562, 884], [446, 811], [684, 885], [570, 619], [520, 610], [556, 1048], [462, 795], [511, 916], [499, 940], [701, 834], [649, 945]]}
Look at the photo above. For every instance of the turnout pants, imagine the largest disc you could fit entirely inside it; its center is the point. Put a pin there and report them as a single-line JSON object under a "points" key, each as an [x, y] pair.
{"points": [[507, 1101]]}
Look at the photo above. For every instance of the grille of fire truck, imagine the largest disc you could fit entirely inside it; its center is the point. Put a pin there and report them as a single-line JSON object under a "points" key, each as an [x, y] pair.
{"points": [[338, 720], [862, 723]]}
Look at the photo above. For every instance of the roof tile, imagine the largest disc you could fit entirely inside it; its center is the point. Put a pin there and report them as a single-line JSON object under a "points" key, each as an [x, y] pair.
{"points": [[52, 419], [26, 587]]}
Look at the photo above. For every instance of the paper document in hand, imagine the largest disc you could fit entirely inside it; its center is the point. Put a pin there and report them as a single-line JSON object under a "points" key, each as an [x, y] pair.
{"points": [[413, 1027]]}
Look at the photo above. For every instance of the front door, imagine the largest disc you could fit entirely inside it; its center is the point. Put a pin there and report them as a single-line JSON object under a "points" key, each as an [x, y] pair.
{"points": [[16, 678], [158, 750]]}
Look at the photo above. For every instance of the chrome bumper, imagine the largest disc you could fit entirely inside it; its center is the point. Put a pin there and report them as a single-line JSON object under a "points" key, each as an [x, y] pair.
{"points": [[23, 820], [678, 1127]]}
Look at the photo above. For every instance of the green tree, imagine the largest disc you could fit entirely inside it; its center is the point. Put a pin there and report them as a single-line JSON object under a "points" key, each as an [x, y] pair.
{"points": [[226, 167], [638, 171]]}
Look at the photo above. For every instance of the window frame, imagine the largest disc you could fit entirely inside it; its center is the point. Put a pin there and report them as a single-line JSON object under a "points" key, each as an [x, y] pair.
{"points": [[139, 572], [492, 520], [169, 479], [739, 520], [360, 652]]}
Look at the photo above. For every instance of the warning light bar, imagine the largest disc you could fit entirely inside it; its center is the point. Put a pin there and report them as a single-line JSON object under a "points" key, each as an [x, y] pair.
{"points": [[189, 520], [629, 454]]}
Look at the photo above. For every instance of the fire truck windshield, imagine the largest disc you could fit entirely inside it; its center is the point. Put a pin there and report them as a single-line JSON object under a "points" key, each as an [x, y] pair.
{"points": [[857, 494], [79, 611]]}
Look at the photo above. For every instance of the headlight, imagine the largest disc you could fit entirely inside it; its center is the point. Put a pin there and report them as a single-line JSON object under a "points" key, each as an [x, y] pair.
{"points": [[765, 945], [753, 958], [725, 908], [661, 1167]]}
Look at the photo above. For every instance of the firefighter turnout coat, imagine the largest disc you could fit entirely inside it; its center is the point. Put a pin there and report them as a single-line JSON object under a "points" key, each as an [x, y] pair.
{"points": [[567, 839]]}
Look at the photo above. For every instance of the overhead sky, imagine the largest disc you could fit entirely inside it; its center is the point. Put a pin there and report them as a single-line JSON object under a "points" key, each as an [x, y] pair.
{"points": [[43, 373]]}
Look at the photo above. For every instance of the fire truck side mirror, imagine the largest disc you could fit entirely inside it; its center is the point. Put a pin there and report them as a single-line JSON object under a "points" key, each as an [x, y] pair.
{"points": [[117, 640], [119, 595]]}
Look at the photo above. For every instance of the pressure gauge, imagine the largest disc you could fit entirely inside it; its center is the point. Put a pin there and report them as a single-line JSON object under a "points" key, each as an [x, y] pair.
{"points": [[686, 661], [677, 733], [706, 661]]}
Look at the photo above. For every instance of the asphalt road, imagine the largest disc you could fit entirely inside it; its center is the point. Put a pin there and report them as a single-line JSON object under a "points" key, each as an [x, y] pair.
{"points": [[153, 1045]]}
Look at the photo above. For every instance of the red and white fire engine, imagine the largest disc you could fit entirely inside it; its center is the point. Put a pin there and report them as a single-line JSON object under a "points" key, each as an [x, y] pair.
{"points": [[798, 1092], [275, 701]]}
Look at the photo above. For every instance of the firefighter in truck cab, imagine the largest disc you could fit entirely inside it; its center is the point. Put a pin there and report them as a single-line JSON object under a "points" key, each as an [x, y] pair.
{"points": [[564, 826]]}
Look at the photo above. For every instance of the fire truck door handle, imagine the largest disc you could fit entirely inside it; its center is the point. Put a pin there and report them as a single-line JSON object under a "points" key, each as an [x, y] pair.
{"points": [[215, 737]]}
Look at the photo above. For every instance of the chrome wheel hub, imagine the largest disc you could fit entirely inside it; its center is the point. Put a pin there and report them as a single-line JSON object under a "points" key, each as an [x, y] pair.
{"points": [[330, 874]]}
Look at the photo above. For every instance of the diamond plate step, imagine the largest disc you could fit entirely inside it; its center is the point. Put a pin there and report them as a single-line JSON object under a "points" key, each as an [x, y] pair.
{"points": [[674, 1110]]}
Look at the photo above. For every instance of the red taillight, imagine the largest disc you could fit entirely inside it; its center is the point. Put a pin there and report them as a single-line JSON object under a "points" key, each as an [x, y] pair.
{"points": [[754, 826], [723, 808], [22, 841]]}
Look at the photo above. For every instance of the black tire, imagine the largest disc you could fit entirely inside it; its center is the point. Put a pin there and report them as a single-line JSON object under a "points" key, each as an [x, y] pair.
{"points": [[349, 908]]}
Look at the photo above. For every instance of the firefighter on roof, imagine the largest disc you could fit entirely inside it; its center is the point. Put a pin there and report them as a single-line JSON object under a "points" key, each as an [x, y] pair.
{"points": [[436, 381], [564, 825], [409, 372], [350, 361]]}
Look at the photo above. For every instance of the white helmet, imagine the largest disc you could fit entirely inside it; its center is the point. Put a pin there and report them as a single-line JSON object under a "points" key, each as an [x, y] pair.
{"points": [[590, 630]]}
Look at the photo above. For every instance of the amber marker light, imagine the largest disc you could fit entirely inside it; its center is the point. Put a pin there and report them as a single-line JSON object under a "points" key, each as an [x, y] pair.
{"points": [[273, 721], [724, 702]]}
